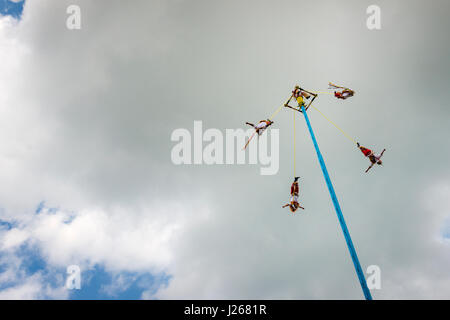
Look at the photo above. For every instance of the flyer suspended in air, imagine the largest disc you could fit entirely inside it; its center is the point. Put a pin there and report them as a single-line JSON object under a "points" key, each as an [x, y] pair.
{"points": [[343, 94], [304, 100]]}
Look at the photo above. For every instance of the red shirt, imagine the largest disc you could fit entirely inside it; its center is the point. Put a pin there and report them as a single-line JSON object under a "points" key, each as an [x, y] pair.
{"points": [[366, 151], [294, 188]]}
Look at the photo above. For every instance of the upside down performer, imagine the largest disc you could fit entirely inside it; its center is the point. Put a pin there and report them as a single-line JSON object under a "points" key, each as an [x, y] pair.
{"points": [[344, 94], [261, 126], [294, 205], [259, 129], [374, 159]]}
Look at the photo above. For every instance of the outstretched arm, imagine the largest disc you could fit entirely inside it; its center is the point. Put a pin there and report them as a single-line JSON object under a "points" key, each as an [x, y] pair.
{"points": [[370, 167], [334, 86]]}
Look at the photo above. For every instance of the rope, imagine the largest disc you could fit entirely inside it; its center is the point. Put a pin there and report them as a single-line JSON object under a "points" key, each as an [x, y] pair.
{"points": [[275, 113], [323, 92], [249, 139], [334, 124]]}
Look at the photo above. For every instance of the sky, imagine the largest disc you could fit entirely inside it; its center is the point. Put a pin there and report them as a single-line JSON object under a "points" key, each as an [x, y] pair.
{"points": [[86, 118], [11, 8]]}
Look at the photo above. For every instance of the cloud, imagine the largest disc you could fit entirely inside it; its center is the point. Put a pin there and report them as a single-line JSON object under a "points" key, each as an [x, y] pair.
{"points": [[13, 238], [32, 288], [126, 249], [19, 282]]}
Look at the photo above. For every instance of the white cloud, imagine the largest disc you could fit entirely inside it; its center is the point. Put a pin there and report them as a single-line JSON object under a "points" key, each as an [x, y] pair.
{"points": [[13, 238], [90, 238], [31, 288], [18, 283]]}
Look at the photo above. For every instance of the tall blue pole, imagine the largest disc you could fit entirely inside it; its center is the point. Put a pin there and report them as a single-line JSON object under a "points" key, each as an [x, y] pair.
{"points": [[348, 239]]}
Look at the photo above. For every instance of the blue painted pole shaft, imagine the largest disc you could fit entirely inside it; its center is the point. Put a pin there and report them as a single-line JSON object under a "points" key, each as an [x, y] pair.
{"points": [[348, 239]]}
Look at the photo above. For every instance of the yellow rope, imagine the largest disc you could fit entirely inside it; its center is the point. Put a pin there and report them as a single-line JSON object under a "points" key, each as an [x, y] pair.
{"points": [[323, 92], [345, 134], [276, 112]]}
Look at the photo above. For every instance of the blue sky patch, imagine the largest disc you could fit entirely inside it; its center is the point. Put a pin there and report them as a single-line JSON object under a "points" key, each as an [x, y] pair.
{"points": [[97, 282], [446, 229], [10, 8], [7, 225]]}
